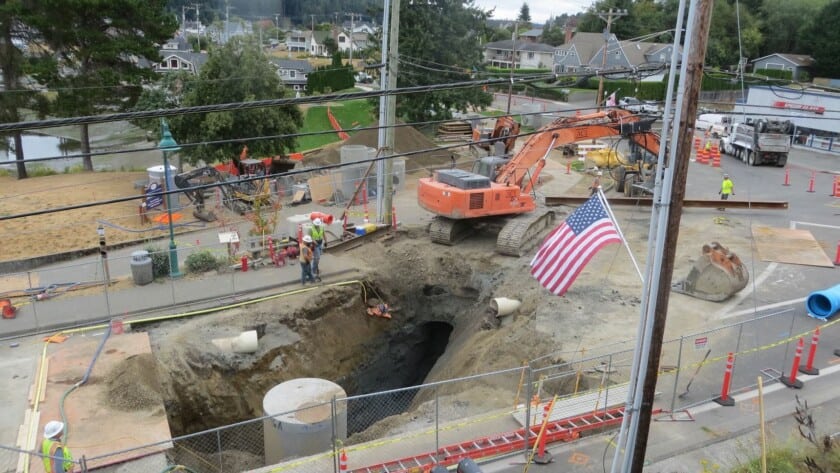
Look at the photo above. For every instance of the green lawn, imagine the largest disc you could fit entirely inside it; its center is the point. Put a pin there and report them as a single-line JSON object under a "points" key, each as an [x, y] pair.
{"points": [[350, 114]]}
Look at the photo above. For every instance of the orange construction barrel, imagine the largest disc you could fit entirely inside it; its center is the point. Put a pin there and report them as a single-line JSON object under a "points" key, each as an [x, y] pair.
{"points": [[7, 309]]}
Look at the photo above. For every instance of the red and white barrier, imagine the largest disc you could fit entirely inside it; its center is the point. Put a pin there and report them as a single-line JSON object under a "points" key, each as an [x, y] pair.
{"points": [[725, 399], [791, 381], [809, 366]]}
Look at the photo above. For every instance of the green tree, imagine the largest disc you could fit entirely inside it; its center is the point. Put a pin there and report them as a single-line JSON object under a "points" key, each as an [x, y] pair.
{"points": [[723, 48], [524, 17], [221, 81], [783, 24], [18, 42], [167, 92], [434, 33], [822, 41], [623, 28], [97, 45], [331, 46]]}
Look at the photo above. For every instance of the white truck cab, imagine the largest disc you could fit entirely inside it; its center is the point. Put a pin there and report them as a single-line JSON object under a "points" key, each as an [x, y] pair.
{"points": [[715, 123]]}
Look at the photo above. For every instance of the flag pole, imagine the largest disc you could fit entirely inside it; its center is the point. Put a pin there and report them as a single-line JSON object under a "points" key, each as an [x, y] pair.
{"points": [[620, 233]]}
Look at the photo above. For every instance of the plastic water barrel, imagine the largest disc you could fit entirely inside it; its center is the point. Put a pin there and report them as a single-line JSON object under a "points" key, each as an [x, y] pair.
{"points": [[141, 268]]}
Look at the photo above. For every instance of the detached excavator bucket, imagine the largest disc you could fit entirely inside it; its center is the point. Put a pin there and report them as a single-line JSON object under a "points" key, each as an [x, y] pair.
{"points": [[715, 276]]}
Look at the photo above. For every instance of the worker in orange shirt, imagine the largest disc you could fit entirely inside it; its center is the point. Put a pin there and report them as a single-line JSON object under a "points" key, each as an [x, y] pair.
{"points": [[307, 254]]}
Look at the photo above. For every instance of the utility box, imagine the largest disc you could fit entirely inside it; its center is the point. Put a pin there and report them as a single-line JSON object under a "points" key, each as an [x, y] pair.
{"points": [[141, 268]]}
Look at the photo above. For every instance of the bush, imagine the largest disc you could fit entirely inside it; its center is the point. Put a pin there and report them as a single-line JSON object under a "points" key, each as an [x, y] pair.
{"points": [[160, 261], [202, 261]]}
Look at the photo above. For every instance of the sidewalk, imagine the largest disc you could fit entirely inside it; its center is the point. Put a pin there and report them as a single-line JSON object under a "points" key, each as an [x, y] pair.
{"points": [[166, 296]]}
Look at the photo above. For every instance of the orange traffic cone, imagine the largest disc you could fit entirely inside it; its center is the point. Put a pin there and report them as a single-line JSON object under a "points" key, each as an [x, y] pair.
{"points": [[342, 461]]}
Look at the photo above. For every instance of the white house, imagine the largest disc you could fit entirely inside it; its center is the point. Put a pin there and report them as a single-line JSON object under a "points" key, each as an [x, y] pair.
{"points": [[527, 55], [293, 72], [177, 55]]}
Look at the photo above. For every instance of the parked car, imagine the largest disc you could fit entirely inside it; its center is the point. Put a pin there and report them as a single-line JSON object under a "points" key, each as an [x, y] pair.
{"points": [[632, 104]]}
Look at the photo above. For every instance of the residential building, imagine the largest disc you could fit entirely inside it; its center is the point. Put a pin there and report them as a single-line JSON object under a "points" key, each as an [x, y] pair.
{"points": [[525, 54], [229, 29], [533, 35], [177, 55], [307, 41], [293, 72], [795, 63], [589, 52]]}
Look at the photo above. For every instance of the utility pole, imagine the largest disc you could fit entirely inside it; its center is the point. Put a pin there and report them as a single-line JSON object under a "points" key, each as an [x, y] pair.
{"points": [[352, 27], [608, 17], [277, 25], [384, 168], [669, 192], [512, 63], [312, 22], [227, 21], [183, 18]]}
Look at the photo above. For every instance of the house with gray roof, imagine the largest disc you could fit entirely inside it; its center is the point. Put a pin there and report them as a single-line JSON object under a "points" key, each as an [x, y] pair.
{"points": [[308, 41], [293, 72], [589, 52], [525, 54], [795, 63], [177, 56]]}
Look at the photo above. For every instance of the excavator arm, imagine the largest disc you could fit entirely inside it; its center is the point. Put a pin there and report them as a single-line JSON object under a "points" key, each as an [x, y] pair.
{"points": [[189, 182], [566, 130]]}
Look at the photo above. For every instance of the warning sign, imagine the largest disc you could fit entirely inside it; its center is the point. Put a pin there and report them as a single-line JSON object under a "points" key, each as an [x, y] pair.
{"points": [[700, 343]]}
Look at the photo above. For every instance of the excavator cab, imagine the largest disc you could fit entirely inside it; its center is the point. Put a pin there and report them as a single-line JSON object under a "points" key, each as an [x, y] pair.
{"points": [[249, 189], [489, 166]]}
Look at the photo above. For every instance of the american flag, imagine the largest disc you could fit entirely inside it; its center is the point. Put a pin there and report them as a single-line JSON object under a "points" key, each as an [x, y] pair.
{"points": [[568, 248]]}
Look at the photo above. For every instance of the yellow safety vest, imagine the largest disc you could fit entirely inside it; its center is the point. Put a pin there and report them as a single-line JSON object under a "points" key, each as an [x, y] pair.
{"points": [[49, 449], [316, 232], [726, 186]]}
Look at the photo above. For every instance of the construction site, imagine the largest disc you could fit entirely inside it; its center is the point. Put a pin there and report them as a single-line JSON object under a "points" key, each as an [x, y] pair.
{"points": [[242, 368]]}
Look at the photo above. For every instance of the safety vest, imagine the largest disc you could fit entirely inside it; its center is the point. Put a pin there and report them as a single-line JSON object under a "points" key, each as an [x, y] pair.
{"points": [[49, 449], [316, 232], [726, 186]]}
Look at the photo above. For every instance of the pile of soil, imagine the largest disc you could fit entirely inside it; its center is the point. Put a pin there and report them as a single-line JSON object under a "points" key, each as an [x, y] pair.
{"points": [[134, 384], [406, 140]]}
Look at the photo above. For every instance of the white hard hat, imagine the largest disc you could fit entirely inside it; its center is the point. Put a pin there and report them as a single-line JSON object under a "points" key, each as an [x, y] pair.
{"points": [[725, 176], [317, 222], [600, 173], [53, 428], [307, 239]]}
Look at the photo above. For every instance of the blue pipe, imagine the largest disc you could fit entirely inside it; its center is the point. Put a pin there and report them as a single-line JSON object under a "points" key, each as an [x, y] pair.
{"points": [[823, 304]]}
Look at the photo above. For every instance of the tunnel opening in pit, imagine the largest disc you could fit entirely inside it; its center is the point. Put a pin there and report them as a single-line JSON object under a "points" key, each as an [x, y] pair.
{"points": [[402, 363]]}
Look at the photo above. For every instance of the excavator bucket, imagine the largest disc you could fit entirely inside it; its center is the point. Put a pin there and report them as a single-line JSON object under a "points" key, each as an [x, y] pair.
{"points": [[715, 276]]}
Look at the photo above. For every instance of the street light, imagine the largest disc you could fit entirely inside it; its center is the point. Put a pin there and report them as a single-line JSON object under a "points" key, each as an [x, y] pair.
{"points": [[169, 145]]}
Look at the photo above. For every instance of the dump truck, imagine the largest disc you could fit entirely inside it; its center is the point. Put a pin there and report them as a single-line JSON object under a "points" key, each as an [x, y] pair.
{"points": [[758, 142]]}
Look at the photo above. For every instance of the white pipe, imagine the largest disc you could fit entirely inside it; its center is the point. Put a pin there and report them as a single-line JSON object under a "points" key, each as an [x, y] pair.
{"points": [[245, 342], [504, 306]]}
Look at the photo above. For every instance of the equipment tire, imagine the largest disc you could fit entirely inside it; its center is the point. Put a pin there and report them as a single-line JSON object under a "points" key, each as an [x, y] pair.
{"points": [[751, 157], [628, 188]]}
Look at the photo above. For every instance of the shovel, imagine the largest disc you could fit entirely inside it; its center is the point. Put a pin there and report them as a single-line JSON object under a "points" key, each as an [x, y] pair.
{"points": [[688, 386]]}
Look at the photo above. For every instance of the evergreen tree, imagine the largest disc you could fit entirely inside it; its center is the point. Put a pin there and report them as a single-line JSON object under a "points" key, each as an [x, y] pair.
{"points": [[821, 41], [442, 38], [98, 46]]}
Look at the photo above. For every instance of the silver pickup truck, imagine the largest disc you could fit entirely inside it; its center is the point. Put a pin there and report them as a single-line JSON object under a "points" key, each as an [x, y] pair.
{"points": [[632, 104]]}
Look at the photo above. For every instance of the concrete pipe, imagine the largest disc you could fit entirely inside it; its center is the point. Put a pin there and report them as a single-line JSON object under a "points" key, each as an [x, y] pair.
{"points": [[245, 342], [504, 306]]}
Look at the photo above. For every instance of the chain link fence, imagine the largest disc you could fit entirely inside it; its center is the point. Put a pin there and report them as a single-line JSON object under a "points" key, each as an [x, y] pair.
{"points": [[429, 422]]}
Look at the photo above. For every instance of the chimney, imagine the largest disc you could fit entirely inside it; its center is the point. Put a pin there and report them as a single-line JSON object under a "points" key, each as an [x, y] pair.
{"points": [[570, 29]]}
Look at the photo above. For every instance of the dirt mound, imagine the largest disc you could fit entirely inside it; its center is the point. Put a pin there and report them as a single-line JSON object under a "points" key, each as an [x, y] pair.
{"points": [[406, 140], [134, 384]]}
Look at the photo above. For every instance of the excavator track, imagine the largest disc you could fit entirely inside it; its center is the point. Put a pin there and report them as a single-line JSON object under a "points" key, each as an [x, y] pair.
{"points": [[520, 233], [447, 231]]}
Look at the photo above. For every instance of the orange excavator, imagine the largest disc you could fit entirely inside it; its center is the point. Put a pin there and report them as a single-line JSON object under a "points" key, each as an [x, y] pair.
{"points": [[505, 132], [500, 189]]}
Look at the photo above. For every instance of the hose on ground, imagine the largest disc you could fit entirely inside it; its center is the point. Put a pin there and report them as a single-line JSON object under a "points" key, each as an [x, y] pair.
{"points": [[80, 383]]}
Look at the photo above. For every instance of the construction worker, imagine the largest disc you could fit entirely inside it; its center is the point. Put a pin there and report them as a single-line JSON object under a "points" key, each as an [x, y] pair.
{"points": [[319, 237], [305, 258], [53, 450], [727, 187], [596, 183]]}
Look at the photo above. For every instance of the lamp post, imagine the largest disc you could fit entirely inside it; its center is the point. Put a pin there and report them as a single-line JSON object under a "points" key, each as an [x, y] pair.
{"points": [[169, 145]]}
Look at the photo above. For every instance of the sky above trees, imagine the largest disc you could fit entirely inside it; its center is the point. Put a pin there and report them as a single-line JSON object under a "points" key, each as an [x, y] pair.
{"points": [[541, 10]]}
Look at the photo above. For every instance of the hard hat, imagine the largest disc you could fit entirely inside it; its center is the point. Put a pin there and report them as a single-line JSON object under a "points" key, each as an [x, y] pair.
{"points": [[600, 173], [725, 176], [307, 239], [317, 222], [53, 428]]}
